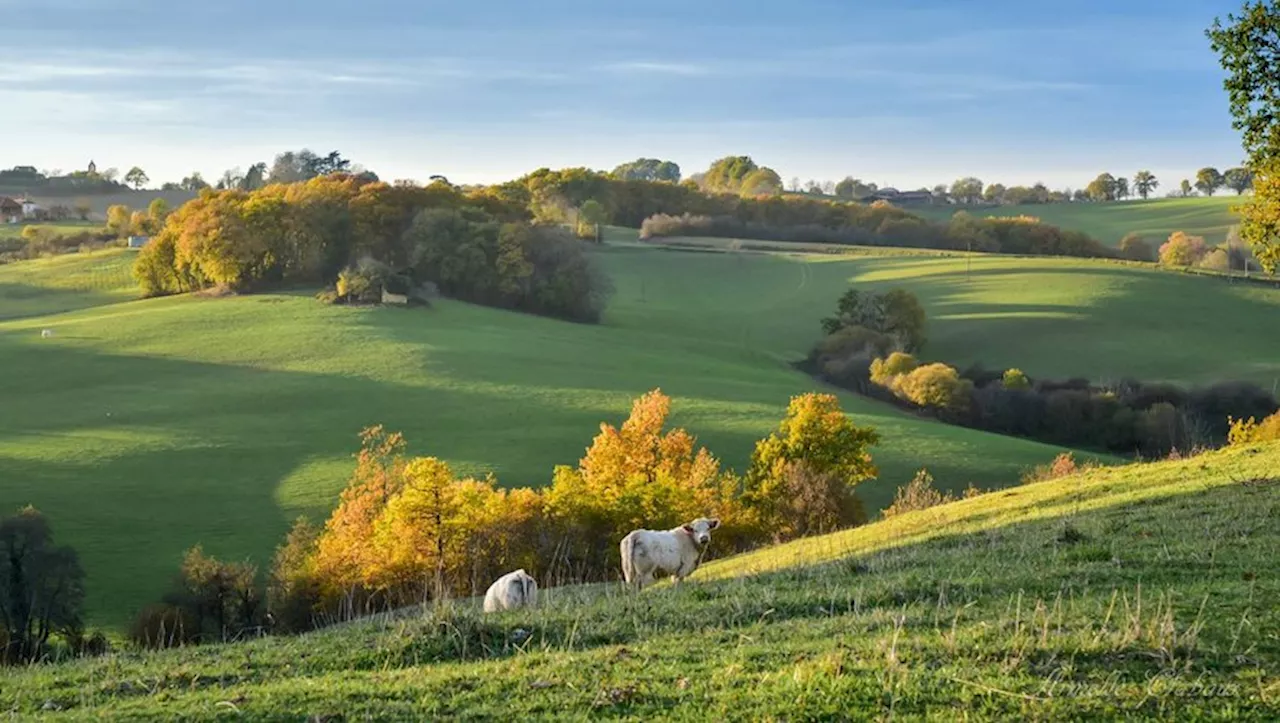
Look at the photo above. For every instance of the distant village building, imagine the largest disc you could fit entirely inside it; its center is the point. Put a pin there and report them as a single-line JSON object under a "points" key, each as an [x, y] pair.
{"points": [[896, 197], [137, 242], [10, 210], [29, 207]]}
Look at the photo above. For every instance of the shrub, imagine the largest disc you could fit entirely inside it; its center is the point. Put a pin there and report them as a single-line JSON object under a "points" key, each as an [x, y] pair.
{"points": [[163, 625], [211, 601], [936, 385], [1182, 250], [1248, 431], [1015, 380], [1216, 260], [1135, 248], [918, 494], [883, 371], [819, 502], [1063, 465]]}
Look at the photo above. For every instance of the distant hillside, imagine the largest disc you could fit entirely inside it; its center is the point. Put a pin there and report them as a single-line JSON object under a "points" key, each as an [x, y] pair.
{"points": [[99, 203], [1109, 222]]}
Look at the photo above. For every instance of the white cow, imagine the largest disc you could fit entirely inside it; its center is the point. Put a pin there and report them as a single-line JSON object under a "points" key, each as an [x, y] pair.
{"points": [[46, 333], [675, 551], [512, 590]]}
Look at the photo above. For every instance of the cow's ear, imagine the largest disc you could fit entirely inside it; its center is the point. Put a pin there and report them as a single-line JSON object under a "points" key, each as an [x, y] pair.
{"points": [[688, 529], [714, 522]]}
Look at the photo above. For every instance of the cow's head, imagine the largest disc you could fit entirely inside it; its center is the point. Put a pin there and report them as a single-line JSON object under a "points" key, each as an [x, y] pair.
{"points": [[700, 529]]}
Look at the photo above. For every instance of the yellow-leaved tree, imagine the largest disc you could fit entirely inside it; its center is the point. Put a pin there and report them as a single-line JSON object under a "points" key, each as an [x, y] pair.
{"points": [[801, 478]]}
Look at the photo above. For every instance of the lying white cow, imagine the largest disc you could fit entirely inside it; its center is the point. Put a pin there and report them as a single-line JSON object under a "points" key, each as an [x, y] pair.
{"points": [[675, 551], [512, 590], [46, 333]]}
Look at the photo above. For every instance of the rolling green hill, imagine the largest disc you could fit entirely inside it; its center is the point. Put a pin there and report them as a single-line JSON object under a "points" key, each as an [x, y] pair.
{"points": [[1141, 592], [1155, 219], [144, 427]]}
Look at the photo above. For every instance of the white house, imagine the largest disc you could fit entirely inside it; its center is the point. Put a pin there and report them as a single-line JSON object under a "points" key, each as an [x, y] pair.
{"points": [[29, 207]]}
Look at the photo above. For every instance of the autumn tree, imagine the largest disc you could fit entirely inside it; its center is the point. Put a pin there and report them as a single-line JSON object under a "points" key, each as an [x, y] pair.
{"points": [[1102, 188], [136, 177], [1144, 182], [1182, 249], [119, 220], [761, 182], [801, 478], [1208, 180], [727, 174], [41, 586], [637, 474]]}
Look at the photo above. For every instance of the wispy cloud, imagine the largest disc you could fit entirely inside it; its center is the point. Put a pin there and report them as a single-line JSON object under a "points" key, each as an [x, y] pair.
{"points": [[657, 68]]}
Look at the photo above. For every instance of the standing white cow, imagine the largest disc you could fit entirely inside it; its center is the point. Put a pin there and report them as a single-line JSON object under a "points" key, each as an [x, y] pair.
{"points": [[512, 590], [675, 551]]}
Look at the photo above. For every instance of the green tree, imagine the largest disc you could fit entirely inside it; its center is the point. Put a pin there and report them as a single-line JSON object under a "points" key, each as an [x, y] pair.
{"points": [[994, 193], [728, 173], [1122, 187], [648, 169], [194, 182], [1102, 188], [136, 177], [1144, 182], [591, 214], [1185, 188], [1208, 180], [255, 177], [967, 190], [1238, 180], [41, 586], [158, 210]]}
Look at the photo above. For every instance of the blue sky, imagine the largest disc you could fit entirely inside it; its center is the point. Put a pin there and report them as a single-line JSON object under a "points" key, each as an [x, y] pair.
{"points": [[904, 93]]}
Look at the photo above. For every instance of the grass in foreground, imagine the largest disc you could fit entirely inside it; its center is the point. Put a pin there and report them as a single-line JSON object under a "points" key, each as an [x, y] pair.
{"points": [[1138, 592], [1155, 219]]}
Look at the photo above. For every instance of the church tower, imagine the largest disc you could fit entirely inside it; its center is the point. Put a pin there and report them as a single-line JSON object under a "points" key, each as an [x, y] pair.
{"points": [[93, 168]]}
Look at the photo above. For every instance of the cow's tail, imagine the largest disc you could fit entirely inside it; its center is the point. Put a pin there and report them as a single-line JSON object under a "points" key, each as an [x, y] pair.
{"points": [[627, 548]]}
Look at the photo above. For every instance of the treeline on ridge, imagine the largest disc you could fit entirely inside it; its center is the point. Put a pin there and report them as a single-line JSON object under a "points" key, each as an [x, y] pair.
{"points": [[868, 349]]}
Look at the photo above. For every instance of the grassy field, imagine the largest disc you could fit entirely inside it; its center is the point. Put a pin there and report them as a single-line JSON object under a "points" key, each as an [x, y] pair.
{"points": [[1143, 592], [144, 427], [1109, 222], [64, 283], [14, 230]]}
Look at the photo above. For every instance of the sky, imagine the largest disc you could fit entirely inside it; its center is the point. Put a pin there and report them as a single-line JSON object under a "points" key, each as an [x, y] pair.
{"points": [[904, 93]]}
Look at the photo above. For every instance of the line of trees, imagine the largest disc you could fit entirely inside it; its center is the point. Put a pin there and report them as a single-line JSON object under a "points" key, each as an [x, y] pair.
{"points": [[478, 248], [866, 349], [407, 530]]}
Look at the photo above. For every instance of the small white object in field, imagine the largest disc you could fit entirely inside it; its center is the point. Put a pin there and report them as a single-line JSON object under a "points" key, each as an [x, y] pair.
{"points": [[46, 333]]}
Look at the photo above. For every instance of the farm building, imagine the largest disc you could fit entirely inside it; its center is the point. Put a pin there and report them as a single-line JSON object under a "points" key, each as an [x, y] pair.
{"points": [[10, 210], [893, 195], [137, 242]]}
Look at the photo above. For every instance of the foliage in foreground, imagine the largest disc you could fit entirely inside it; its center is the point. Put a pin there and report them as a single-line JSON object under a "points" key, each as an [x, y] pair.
{"points": [[407, 530], [1137, 592]]}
